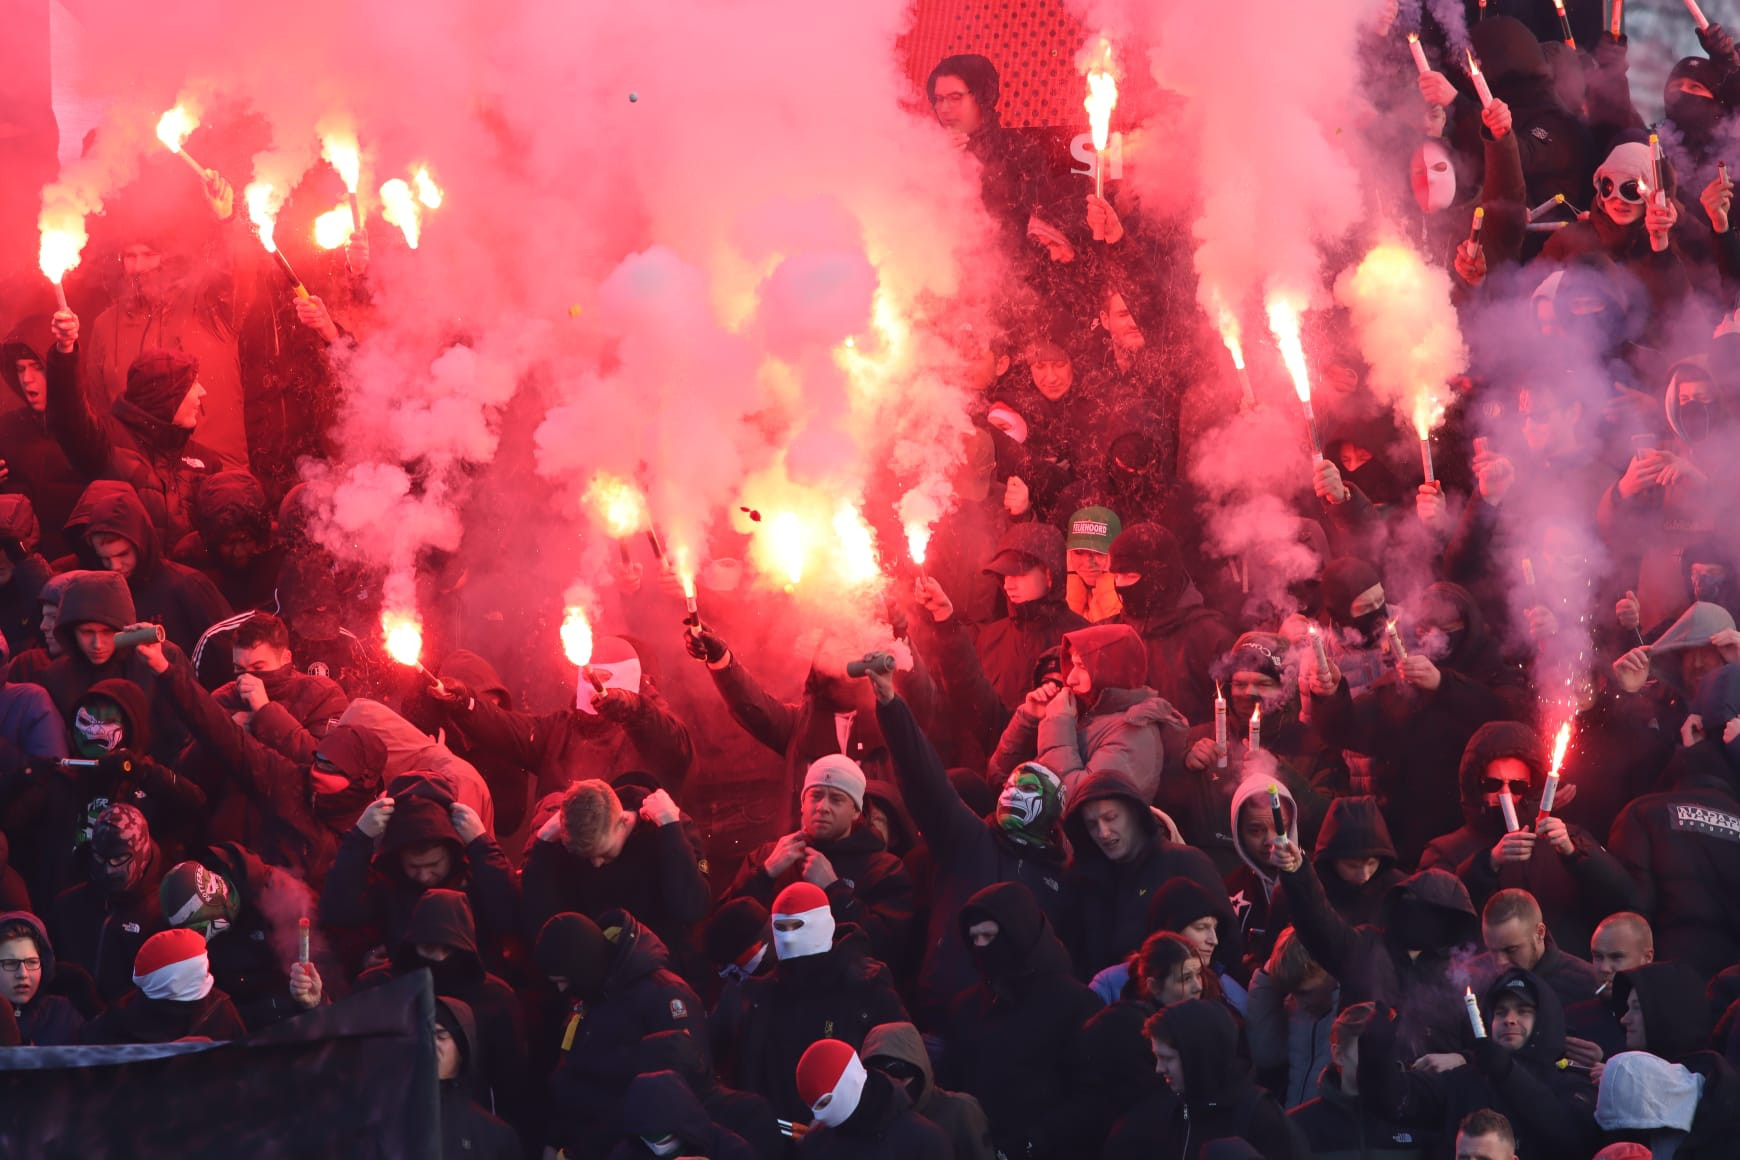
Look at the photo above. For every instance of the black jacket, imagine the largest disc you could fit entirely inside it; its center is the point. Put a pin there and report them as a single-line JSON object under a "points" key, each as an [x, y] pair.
{"points": [[744, 1114], [1013, 1037], [250, 959], [1337, 1126], [1676, 1014], [136, 1019], [102, 932], [659, 1104], [466, 1129], [884, 1126]]}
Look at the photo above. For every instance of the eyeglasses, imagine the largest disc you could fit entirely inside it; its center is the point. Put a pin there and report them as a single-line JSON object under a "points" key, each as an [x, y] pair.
{"points": [[949, 98], [1629, 191], [17, 966]]}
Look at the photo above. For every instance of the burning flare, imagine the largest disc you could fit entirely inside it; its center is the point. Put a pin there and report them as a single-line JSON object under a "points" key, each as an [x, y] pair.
{"points": [[60, 251], [858, 545], [341, 152], [576, 636], [404, 637], [427, 191], [1284, 314], [786, 534], [399, 207], [1561, 742], [1102, 98], [618, 503], [917, 541], [261, 212], [1429, 407], [173, 128], [333, 228]]}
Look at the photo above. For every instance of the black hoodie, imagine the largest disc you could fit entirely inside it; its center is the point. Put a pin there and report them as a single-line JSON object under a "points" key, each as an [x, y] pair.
{"points": [[1220, 1099], [232, 503], [884, 1126], [1676, 1015], [1354, 827], [1554, 145], [1013, 1037], [744, 1114], [466, 1129], [660, 1104]]}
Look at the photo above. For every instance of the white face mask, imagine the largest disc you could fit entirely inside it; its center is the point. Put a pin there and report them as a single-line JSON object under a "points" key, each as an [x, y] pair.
{"points": [[664, 1146], [814, 937], [1434, 177], [837, 1106], [617, 675]]}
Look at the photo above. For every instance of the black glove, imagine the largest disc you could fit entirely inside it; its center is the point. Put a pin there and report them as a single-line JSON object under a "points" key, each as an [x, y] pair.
{"points": [[703, 645], [1719, 46], [617, 705], [450, 692]]}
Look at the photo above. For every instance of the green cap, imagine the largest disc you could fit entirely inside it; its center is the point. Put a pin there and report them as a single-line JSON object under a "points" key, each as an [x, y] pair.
{"points": [[1094, 529]]}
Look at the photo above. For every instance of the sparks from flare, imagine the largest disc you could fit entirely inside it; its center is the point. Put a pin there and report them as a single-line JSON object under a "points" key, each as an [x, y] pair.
{"points": [[1561, 742], [1102, 98], [404, 638], [1232, 337], [1428, 413], [576, 636], [1284, 324], [399, 207]]}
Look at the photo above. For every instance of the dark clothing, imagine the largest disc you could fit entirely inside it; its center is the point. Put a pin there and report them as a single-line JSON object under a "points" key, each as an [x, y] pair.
{"points": [[957, 1115], [968, 853], [660, 1104], [601, 1044], [37, 467], [660, 877], [300, 711], [1355, 828], [136, 1019], [744, 1114], [1220, 1099], [1337, 1126], [1554, 145], [884, 1126], [1184, 644], [249, 959], [1676, 1014], [763, 1030], [1013, 1037], [49, 1019], [872, 890], [102, 932], [231, 505], [466, 1128], [1110, 917]]}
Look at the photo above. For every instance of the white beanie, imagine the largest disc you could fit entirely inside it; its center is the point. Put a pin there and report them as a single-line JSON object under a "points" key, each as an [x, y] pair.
{"points": [[837, 771]]}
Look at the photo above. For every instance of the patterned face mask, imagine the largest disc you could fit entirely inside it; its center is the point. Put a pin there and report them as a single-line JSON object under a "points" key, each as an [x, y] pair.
{"points": [[105, 735]]}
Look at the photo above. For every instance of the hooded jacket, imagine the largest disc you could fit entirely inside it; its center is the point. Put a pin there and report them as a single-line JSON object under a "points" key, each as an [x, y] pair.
{"points": [[1012, 1037], [744, 1114], [20, 597], [1681, 847], [366, 886], [1354, 827], [968, 853], [442, 917], [160, 461], [1551, 1109], [1576, 891], [1220, 1099], [48, 1020], [510, 783], [660, 1104], [1337, 1126], [300, 710], [1676, 1014], [1255, 888], [1554, 146], [871, 890], [762, 1031], [233, 503], [102, 932], [136, 1019], [250, 958], [1415, 737], [959, 1116], [1183, 635], [639, 996], [1110, 917], [466, 1129], [1372, 964], [884, 1126], [35, 464]]}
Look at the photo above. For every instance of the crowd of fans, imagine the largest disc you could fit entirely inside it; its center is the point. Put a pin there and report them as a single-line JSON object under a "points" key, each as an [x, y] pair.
{"points": [[1118, 860]]}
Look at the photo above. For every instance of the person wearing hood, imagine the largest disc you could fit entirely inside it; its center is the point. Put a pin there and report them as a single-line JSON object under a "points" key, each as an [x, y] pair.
{"points": [[824, 984], [246, 912], [232, 544], [26, 967], [30, 666], [898, 1051], [1255, 887], [93, 609], [1355, 859], [1019, 840], [1563, 866], [614, 975], [1671, 497], [1208, 1094], [115, 533], [35, 466], [1514, 1069], [441, 938], [1416, 719], [1184, 637], [146, 439], [1631, 224], [1100, 719], [466, 1128], [100, 924], [1114, 1068], [988, 670], [176, 997], [834, 715], [627, 727], [1183, 907], [287, 710], [512, 786], [1337, 1124], [1012, 1037], [625, 846], [837, 850], [1662, 1009], [414, 839], [1679, 845], [859, 1113], [292, 813], [1689, 1110], [963, 91], [662, 1118], [743, 1114], [23, 572], [1355, 611], [1120, 858], [1404, 960]]}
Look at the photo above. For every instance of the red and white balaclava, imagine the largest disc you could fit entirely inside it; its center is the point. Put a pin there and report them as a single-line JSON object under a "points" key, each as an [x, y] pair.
{"points": [[830, 1079], [804, 904], [173, 965]]}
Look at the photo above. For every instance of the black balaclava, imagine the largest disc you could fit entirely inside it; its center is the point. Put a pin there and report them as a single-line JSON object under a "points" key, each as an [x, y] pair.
{"points": [[1697, 118], [1419, 926], [1343, 580], [1152, 552], [572, 947]]}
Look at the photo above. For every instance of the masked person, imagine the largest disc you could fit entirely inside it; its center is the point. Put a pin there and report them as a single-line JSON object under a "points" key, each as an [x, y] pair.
{"points": [[615, 975], [1447, 188], [101, 923], [286, 710], [824, 984], [1552, 143], [663, 1118], [1013, 1036], [1689, 1110], [743, 1114], [859, 1113], [232, 543], [176, 997], [27, 966], [898, 1051], [1018, 841], [1183, 636]]}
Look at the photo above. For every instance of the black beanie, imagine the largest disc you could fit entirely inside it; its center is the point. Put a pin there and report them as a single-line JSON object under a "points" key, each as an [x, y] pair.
{"points": [[572, 947], [159, 380], [739, 925], [1153, 552]]}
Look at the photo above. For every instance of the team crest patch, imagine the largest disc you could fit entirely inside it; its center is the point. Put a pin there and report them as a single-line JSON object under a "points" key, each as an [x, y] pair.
{"points": [[319, 669], [678, 1011]]}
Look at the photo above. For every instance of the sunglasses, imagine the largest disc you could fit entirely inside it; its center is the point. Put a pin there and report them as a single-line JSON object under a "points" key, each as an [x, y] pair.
{"points": [[1632, 191], [1498, 785]]}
